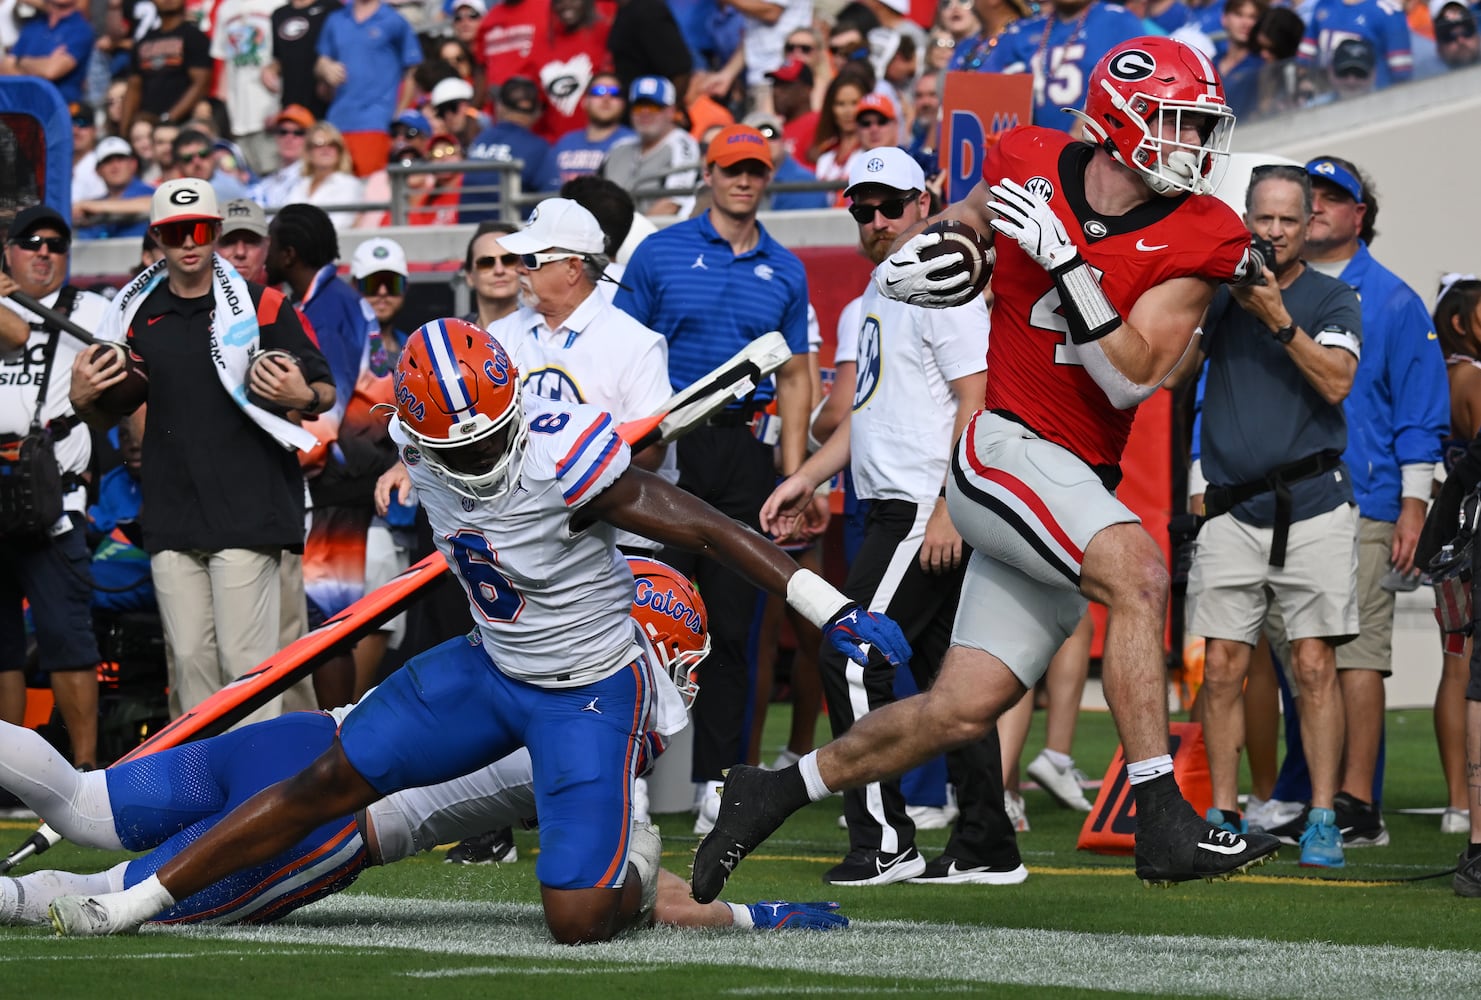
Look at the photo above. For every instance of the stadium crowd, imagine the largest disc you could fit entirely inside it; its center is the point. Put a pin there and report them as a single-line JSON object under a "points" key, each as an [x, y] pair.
{"points": [[263, 131]]}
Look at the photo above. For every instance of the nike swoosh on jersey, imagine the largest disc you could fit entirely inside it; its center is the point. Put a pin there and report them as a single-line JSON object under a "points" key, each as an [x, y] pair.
{"points": [[1142, 246], [155, 319], [1230, 849]]}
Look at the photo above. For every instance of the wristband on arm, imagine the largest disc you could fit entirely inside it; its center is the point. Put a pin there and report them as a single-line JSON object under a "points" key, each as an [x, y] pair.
{"points": [[1086, 308]]}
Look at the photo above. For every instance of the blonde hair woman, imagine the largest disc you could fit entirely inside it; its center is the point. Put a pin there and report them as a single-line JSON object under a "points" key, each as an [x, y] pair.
{"points": [[327, 179]]}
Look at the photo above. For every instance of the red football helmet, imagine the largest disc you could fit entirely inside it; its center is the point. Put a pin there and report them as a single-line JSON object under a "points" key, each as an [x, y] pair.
{"points": [[1139, 95], [458, 400], [672, 616]]}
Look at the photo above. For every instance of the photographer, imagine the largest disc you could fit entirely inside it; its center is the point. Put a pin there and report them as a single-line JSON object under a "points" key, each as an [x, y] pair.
{"points": [[1281, 520], [45, 563]]}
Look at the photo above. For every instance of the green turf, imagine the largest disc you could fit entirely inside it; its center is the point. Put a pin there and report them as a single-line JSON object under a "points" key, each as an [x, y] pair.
{"points": [[1278, 934]]}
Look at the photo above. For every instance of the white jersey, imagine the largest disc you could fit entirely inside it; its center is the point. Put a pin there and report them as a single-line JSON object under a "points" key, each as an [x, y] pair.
{"points": [[20, 372], [900, 432], [850, 319], [552, 606], [600, 355]]}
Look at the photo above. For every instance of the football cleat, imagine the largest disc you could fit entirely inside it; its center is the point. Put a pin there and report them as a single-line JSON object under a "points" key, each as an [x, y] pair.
{"points": [[87, 916], [1181, 847], [492, 848], [751, 809]]}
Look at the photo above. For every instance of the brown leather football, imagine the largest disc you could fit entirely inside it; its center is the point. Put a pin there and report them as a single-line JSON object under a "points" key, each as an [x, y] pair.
{"points": [[962, 250], [125, 396]]}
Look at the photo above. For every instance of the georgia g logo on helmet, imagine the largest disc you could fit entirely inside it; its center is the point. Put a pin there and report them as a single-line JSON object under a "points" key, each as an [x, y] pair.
{"points": [[1132, 65]]}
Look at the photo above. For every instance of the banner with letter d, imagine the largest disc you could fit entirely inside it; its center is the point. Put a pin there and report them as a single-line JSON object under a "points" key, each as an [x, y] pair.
{"points": [[976, 108]]}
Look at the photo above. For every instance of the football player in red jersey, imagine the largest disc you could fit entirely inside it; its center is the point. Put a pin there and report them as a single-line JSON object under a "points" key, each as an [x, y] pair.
{"points": [[1113, 250]]}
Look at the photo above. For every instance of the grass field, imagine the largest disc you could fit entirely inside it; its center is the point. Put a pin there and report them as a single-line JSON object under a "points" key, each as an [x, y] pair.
{"points": [[1081, 924]]}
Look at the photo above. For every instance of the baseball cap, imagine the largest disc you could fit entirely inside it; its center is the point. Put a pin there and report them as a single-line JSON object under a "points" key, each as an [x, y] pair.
{"points": [[413, 119], [453, 89], [243, 215], [377, 255], [184, 199], [898, 6], [1436, 6], [83, 113], [1324, 169], [557, 222], [879, 104], [111, 147], [737, 143], [768, 124], [887, 166], [297, 114], [477, 6], [519, 93], [1354, 54], [792, 71], [654, 90], [37, 215]]}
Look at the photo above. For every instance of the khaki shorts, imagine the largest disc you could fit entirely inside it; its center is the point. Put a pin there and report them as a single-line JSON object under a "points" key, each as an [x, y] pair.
{"points": [[1232, 584], [1028, 508], [1373, 649]]}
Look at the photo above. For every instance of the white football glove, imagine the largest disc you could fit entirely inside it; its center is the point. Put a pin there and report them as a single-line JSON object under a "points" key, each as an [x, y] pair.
{"points": [[1027, 219], [905, 277]]}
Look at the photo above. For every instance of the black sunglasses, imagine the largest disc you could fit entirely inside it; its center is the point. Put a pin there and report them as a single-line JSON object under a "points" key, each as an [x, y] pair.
{"points": [[806, 48], [33, 243], [891, 209], [84, 121], [203, 154], [443, 110], [509, 260], [470, 15], [1454, 32], [405, 131], [290, 132], [382, 282]]}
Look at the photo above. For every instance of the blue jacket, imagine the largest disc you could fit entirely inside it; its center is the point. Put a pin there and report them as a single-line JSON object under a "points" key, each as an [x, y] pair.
{"points": [[1398, 411]]}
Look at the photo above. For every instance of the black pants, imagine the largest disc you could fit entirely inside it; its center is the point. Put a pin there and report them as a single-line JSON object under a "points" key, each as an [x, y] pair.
{"points": [[886, 577], [733, 472]]}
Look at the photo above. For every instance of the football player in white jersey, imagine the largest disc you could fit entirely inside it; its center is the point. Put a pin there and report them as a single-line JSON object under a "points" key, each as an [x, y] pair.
{"points": [[163, 801], [920, 376], [524, 495]]}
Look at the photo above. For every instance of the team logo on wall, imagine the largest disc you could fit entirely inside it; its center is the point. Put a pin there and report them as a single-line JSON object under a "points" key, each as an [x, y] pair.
{"points": [[1132, 65]]}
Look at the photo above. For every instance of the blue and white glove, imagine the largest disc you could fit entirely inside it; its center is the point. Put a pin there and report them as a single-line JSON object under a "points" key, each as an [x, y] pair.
{"points": [[1027, 219], [782, 915], [854, 628], [906, 278]]}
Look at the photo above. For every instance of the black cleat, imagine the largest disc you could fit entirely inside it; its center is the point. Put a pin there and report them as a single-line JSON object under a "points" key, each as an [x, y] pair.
{"points": [[751, 809], [496, 847], [1467, 880], [1180, 847]]}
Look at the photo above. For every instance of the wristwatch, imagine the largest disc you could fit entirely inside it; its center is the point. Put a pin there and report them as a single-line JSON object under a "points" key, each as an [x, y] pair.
{"points": [[1284, 334]]}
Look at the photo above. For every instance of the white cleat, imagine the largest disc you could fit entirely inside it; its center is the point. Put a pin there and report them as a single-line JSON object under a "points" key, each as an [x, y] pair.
{"points": [[86, 916], [1063, 784]]}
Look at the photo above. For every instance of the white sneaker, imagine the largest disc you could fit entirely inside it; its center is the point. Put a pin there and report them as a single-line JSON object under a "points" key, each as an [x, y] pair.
{"points": [[640, 801], [1455, 821], [646, 855], [1013, 803], [1063, 784], [87, 916], [784, 760], [928, 817], [1265, 815], [709, 809]]}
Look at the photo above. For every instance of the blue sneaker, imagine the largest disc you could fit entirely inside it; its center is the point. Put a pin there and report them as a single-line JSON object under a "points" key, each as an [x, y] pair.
{"points": [[782, 915], [1321, 842], [1215, 818]]}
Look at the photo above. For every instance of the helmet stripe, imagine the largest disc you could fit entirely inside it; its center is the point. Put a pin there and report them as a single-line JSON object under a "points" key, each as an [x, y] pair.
{"points": [[449, 372]]}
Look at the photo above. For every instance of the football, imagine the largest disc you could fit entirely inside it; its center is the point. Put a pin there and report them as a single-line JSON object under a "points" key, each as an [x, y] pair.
{"points": [[259, 358], [962, 250], [127, 395]]}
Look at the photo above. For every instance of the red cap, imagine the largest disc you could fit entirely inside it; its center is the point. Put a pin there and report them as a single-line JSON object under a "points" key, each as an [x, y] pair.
{"points": [[792, 71], [735, 143]]}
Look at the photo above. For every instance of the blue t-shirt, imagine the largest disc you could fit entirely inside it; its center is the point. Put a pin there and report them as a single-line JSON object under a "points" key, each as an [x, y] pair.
{"points": [[686, 283], [1242, 83], [343, 324], [120, 230], [506, 141], [787, 201], [1062, 67], [38, 38], [119, 567], [574, 155], [376, 54], [1381, 22]]}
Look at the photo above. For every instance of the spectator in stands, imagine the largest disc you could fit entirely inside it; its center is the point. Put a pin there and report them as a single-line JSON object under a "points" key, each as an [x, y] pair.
{"points": [[671, 285], [164, 137], [222, 495], [959, 20], [55, 46], [1060, 47], [768, 24], [1350, 72], [877, 121], [646, 40], [290, 129], [451, 106], [244, 239], [196, 154], [994, 16], [1455, 33], [1281, 521], [411, 142], [664, 158], [465, 17], [510, 138], [791, 97], [616, 213], [786, 170], [837, 138], [575, 49], [1397, 415], [1381, 24], [86, 183], [1237, 57], [241, 42], [122, 211], [1284, 82], [366, 53], [171, 67], [925, 126], [492, 273], [49, 569], [508, 36], [141, 139], [325, 177], [296, 27], [581, 152], [459, 56]]}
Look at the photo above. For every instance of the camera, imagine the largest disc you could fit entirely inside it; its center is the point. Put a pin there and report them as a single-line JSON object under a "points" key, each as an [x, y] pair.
{"points": [[1265, 249]]}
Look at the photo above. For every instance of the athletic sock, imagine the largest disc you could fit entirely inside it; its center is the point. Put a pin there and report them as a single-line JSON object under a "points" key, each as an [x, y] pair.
{"points": [[1149, 769], [741, 916], [812, 787], [1061, 761]]}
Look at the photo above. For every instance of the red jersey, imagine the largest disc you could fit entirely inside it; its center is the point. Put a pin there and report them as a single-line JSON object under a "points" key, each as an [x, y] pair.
{"points": [[525, 39], [1029, 371]]}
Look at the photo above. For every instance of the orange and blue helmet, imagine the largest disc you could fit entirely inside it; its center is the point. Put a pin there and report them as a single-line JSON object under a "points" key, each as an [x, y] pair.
{"points": [[669, 611]]}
